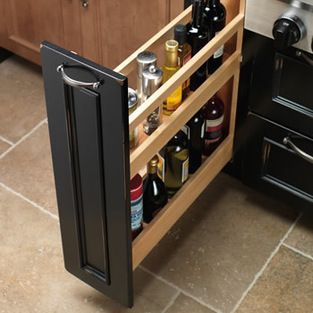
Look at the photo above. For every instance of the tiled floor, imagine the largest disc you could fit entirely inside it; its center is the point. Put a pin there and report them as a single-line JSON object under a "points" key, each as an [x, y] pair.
{"points": [[234, 251]]}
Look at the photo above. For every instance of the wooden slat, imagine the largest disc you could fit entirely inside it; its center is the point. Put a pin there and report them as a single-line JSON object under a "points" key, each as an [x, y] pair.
{"points": [[193, 104], [127, 66], [184, 73], [162, 223]]}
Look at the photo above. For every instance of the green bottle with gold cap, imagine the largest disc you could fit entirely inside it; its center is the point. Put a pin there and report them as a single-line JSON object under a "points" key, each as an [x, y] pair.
{"points": [[155, 194], [170, 67]]}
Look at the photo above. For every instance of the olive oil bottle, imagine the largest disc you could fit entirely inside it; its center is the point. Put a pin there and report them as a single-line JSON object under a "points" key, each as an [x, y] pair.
{"points": [[174, 163], [155, 194], [169, 69]]}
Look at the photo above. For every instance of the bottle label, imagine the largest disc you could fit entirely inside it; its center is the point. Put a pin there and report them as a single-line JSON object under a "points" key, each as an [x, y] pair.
{"points": [[185, 170], [218, 53], [214, 130], [186, 130], [187, 58], [136, 213], [161, 167]]}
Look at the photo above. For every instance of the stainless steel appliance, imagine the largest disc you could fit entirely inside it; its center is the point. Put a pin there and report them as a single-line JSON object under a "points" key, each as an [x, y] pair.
{"points": [[274, 149]]}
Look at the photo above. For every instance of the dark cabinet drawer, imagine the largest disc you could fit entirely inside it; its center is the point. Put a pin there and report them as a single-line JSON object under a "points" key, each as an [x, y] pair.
{"points": [[280, 157]]}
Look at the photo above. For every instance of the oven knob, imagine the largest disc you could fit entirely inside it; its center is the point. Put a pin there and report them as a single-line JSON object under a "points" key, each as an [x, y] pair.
{"points": [[287, 31]]}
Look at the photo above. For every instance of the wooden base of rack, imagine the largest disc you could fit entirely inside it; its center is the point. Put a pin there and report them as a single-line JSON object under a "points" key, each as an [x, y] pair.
{"points": [[180, 203]]}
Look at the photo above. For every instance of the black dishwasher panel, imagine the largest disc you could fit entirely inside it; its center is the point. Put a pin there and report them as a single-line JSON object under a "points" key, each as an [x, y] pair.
{"points": [[87, 108]]}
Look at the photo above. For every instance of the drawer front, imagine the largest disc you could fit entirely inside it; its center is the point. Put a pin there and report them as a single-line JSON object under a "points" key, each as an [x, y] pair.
{"points": [[278, 156], [280, 87], [90, 150]]}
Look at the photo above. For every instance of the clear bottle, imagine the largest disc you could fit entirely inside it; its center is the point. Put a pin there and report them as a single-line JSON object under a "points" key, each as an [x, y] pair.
{"points": [[198, 37], [174, 163], [216, 12], [151, 80], [194, 130], [169, 69], [184, 52], [213, 113], [155, 194]]}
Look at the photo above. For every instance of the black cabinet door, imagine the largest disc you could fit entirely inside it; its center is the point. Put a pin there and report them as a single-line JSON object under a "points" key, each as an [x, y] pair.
{"points": [[88, 124]]}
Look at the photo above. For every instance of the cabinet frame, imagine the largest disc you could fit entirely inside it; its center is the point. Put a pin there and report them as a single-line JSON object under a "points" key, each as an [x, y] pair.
{"points": [[139, 157]]}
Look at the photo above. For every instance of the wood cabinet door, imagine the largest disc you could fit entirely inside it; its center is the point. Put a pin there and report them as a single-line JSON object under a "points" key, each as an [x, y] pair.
{"points": [[88, 127], [29, 22]]}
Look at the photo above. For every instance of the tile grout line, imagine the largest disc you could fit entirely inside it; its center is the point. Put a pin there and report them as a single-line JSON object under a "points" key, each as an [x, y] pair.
{"points": [[298, 251], [6, 141], [264, 267], [23, 138], [186, 293], [172, 301], [43, 210]]}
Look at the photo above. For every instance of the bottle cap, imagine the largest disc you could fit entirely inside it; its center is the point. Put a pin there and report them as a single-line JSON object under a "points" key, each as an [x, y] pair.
{"points": [[144, 59], [171, 50], [153, 165], [171, 46], [180, 34], [136, 187]]}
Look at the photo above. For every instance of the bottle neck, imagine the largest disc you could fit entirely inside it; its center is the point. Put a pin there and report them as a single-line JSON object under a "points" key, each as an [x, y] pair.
{"points": [[196, 14], [214, 3]]}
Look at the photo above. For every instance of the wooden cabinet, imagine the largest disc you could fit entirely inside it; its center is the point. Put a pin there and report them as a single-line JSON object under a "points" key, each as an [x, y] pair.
{"points": [[103, 31], [89, 128], [27, 22]]}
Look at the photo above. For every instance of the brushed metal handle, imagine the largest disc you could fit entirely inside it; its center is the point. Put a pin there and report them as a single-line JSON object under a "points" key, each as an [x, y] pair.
{"points": [[76, 83], [85, 3], [287, 142]]}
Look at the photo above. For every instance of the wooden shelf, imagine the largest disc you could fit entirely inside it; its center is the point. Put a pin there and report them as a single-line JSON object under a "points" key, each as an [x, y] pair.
{"points": [[179, 204]]}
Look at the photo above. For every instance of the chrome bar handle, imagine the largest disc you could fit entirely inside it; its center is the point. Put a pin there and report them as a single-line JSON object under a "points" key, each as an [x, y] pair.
{"points": [[287, 142], [75, 83]]}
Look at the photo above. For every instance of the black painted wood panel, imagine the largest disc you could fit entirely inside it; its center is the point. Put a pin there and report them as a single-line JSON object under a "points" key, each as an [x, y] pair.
{"points": [[90, 150]]}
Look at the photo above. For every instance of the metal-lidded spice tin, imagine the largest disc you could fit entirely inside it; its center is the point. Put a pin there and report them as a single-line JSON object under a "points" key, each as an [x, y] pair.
{"points": [[132, 106], [151, 81], [144, 60]]}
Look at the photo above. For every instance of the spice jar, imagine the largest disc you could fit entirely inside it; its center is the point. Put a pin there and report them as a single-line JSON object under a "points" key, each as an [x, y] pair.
{"points": [[132, 106]]}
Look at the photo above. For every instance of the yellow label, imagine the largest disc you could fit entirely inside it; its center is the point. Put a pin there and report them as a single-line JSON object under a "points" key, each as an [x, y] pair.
{"points": [[185, 170], [161, 167]]}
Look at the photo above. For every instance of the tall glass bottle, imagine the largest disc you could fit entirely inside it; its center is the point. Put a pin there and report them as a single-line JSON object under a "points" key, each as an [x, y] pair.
{"points": [[194, 130], [216, 12], [155, 194], [197, 38], [174, 163], [169, 69], [213, 113], [184, 52]]}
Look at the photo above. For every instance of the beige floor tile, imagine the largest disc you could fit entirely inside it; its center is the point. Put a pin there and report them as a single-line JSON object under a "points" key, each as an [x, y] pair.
{"points": [[32, 276], [28, 170], [22, 103], [302, 235], [285, 287], [184, 304], [217, 248], [3, 146]]}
